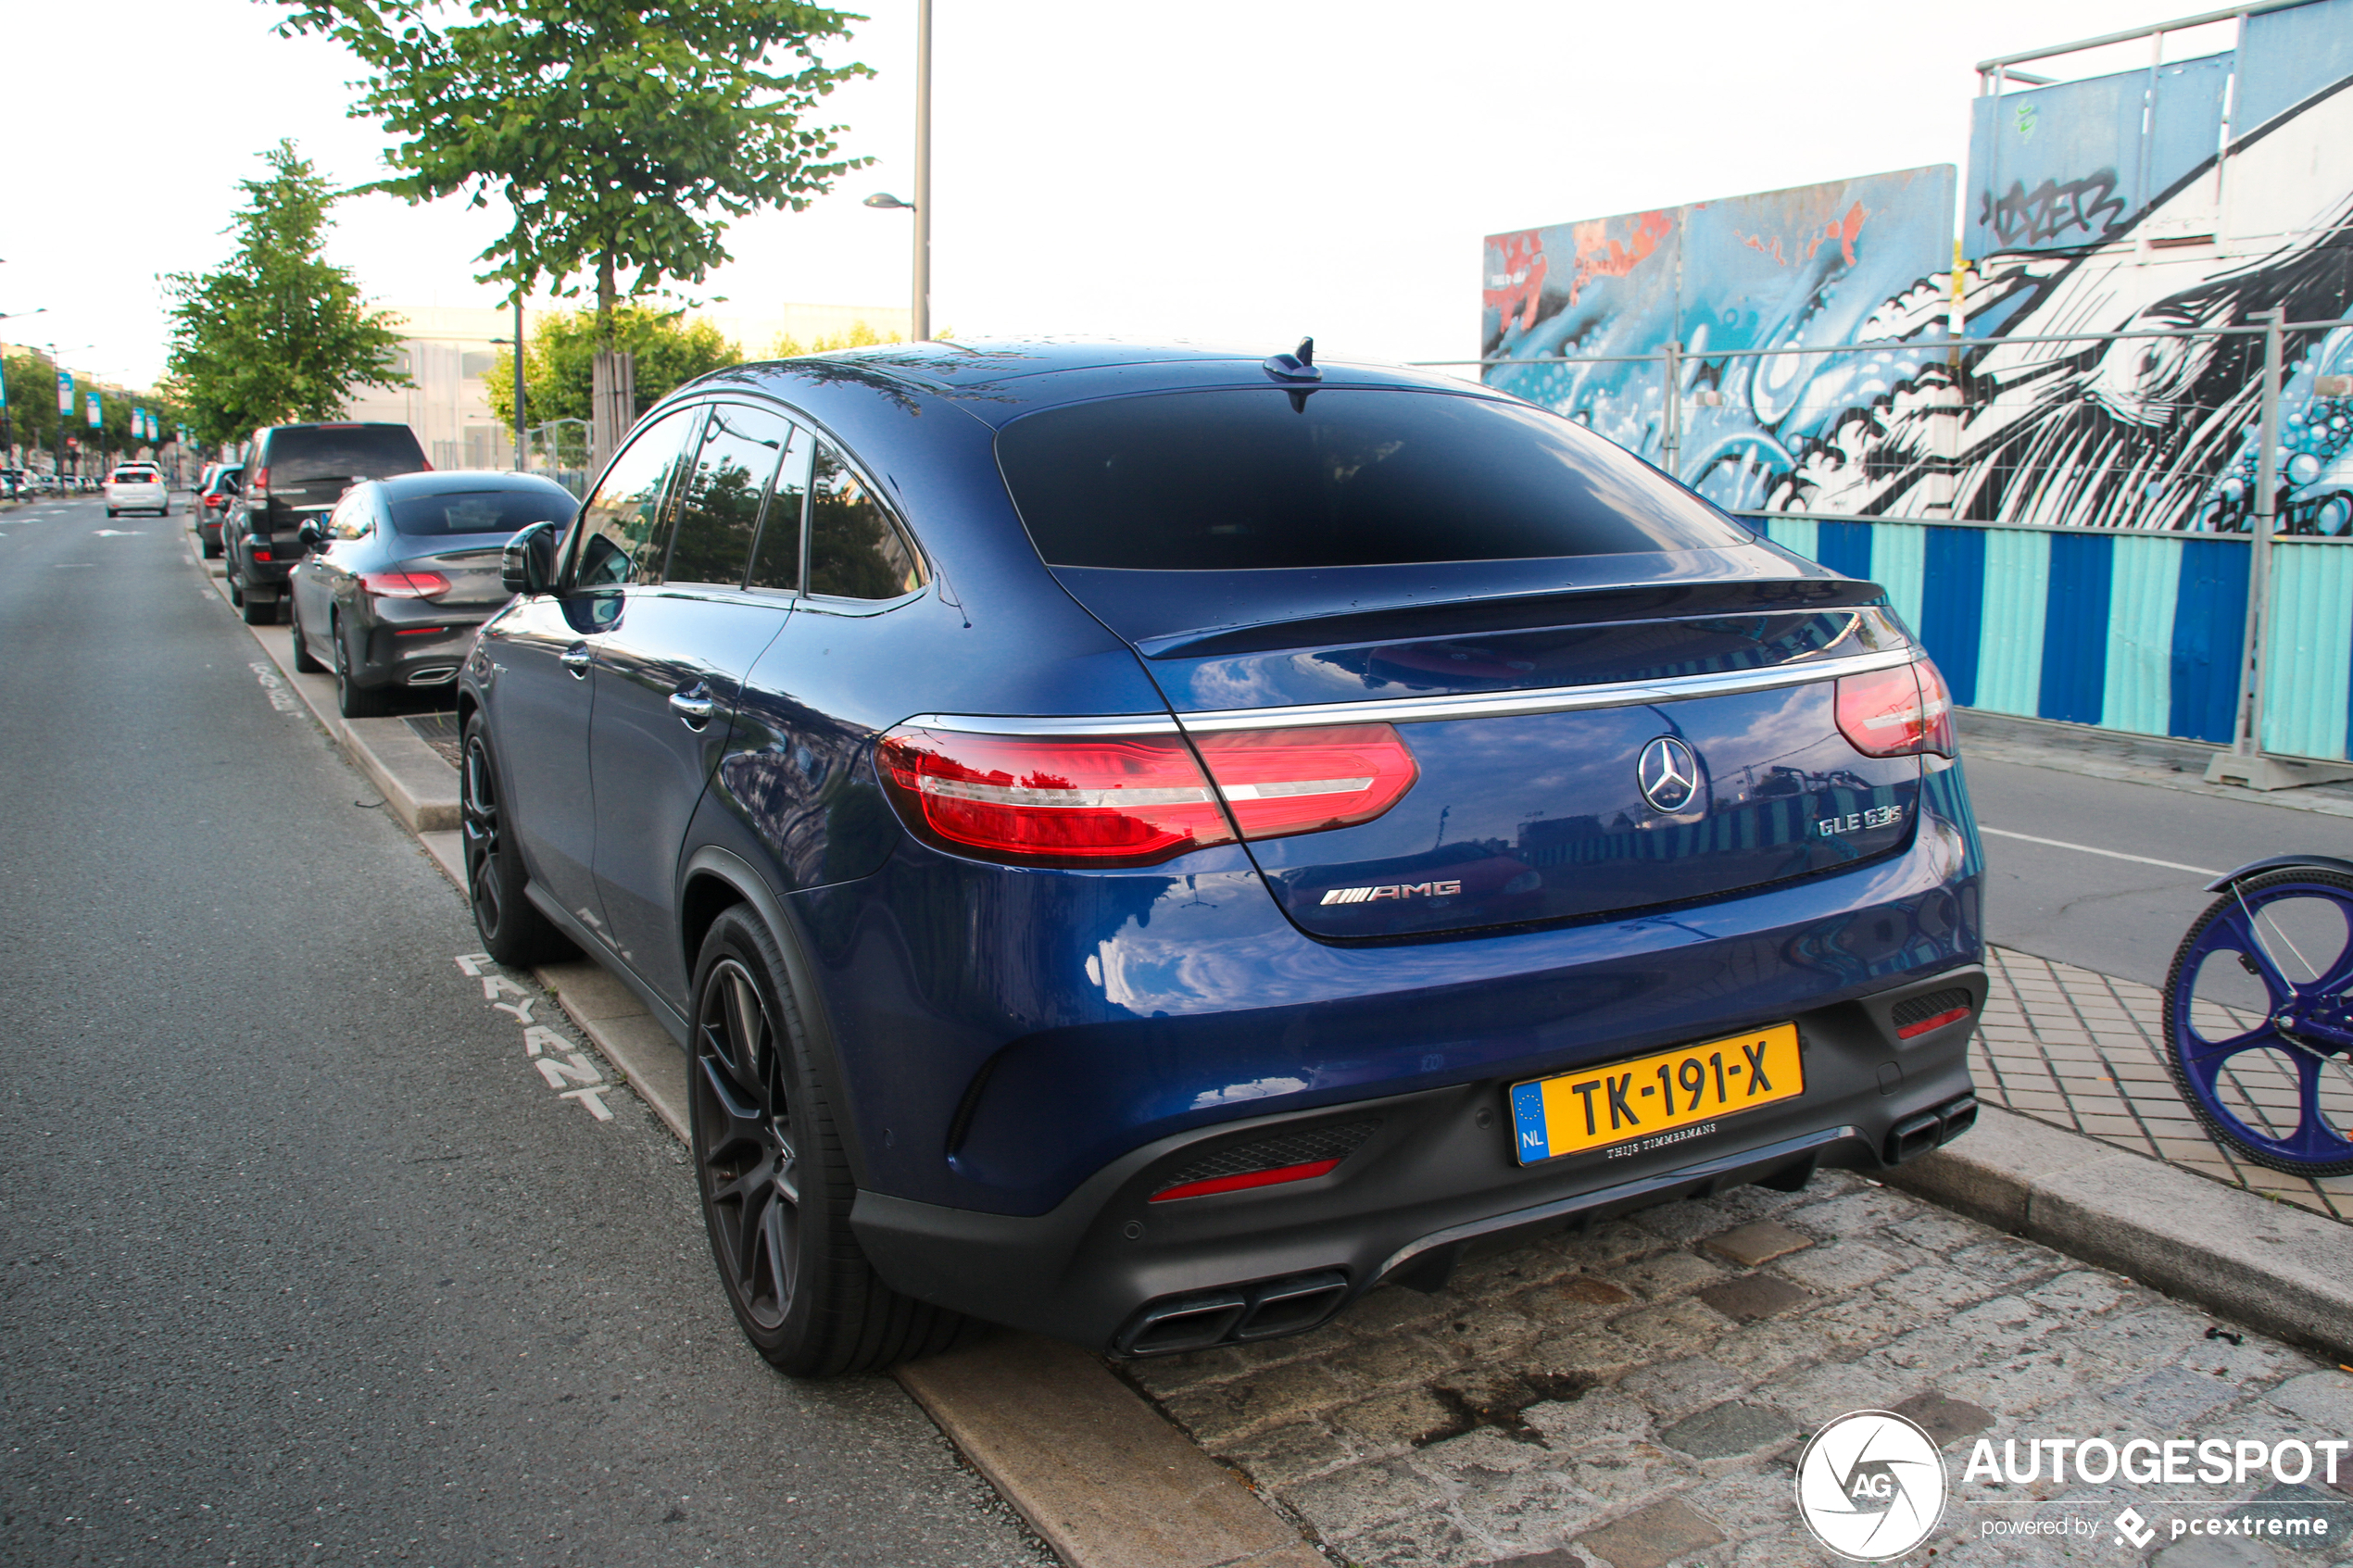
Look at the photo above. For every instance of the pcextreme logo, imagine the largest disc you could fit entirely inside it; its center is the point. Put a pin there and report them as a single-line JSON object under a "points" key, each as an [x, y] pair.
{"points": [[1871, 1486]]}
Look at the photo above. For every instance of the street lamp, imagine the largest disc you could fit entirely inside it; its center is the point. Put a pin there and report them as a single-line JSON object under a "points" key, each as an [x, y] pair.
{"points": [[920, 315]]}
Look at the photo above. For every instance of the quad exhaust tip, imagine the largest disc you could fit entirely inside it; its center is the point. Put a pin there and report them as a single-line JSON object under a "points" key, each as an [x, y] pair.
{"points": [[1266, 1310], [1914, 1135]]}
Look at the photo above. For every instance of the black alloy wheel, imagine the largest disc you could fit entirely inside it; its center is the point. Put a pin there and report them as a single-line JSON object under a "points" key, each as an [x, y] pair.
{"points": [[352, 699], [749, 1159], [512, 930], [776, 1183]]}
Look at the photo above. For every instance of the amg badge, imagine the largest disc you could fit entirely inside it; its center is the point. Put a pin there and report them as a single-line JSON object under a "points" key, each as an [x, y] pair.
{"points": [[1402, 890]]}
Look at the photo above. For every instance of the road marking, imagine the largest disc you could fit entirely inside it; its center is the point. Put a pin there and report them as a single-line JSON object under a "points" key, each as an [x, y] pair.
{"points": [[565, 1061], [2087, 850], [282, 699]]}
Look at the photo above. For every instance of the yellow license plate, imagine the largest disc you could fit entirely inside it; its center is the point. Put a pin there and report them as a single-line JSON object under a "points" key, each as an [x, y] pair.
{"points": [[1655, 1100]]}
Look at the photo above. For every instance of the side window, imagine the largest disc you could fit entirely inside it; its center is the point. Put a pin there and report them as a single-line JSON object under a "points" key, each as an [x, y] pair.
{"points": [[776, 563], [855, 550], [719, 495], [617, 526], [351, 517]]}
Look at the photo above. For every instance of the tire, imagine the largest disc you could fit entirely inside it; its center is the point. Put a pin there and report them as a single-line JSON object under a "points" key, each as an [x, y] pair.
{"points": [[257, 612], [2306, 1029], [236, 585], [512, 930], [211, 550], [112, 513], [303, 661], [352, 699], [774, 1184]]}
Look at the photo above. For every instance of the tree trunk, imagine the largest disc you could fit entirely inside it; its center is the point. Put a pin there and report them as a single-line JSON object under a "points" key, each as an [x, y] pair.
{"points": [[612, 402]]}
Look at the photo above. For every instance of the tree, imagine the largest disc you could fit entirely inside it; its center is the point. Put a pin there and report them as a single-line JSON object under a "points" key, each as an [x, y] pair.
{"points": [[609, 127], [33, 400], [277, 334], [860, 335], [557, 364]]}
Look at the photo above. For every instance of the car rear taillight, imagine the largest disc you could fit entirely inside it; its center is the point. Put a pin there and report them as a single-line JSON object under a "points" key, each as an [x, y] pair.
{"points": [[1113, 800], [1280, 782], [1898, 712], [261, 479], [405, 584], [1131, 800]]}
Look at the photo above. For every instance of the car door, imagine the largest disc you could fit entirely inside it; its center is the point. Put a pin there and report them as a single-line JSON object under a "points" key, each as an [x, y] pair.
{"points": [[322, 577], [668, 669], [802, 736], [540, 651]]}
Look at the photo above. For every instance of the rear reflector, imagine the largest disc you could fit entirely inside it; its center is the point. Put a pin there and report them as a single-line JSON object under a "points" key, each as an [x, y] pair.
{"points": [[1131, 800], [1307, 1171], [1898, 712], [1938, 1020]]}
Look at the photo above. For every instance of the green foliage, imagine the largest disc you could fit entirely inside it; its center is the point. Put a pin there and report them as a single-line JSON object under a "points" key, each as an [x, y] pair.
{"points": [[860, 335], [611, 127], [559, 363], [277, 334]]}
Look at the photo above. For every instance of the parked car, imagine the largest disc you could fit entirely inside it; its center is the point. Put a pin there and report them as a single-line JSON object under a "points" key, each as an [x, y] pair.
{"points": [[296, 473], [1145, 844], [217, 491], [403, 571], [137, 487]]}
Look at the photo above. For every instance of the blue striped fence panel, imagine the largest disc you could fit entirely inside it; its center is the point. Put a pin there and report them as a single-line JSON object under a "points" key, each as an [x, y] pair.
{"points": [[2139, 632]]}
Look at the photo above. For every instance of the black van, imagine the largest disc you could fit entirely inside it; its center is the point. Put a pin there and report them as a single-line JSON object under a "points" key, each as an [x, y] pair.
{"points": [[294, 475]]}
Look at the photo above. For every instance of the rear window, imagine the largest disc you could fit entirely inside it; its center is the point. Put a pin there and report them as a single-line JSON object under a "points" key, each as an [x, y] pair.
{"points": [[480, 511], [298, 452], [1246, 479], [134, 476]]}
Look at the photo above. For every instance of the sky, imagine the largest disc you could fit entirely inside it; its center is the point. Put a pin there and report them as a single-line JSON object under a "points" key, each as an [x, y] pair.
{"points": [[1238, 174]]}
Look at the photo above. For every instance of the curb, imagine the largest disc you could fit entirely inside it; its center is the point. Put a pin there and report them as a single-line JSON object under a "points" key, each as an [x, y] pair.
{"points": [[2272, 1266]]}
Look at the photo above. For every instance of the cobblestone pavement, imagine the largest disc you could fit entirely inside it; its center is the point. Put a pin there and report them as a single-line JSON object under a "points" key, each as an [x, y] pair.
{"points": [[2080, 1050], [1639, 1395]]}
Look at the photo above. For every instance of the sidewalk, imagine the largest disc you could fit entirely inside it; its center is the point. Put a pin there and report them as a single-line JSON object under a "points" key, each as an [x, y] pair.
{"points": [[2080, 1050]]}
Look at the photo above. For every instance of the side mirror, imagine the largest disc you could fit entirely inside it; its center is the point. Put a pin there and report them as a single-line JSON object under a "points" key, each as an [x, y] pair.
{"points": [[528, 564], [308, 536]]}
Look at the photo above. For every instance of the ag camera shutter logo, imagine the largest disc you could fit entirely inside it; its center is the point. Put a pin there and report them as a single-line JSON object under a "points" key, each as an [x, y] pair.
{"points": [[1871, 1486]]}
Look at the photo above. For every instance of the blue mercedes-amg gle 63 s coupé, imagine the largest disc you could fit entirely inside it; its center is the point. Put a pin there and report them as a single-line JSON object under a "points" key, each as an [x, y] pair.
{"points": [[1146, 845]]}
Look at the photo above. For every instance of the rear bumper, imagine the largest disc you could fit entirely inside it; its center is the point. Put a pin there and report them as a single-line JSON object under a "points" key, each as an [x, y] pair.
{"points": [[1430, 1176], [422, 653]]}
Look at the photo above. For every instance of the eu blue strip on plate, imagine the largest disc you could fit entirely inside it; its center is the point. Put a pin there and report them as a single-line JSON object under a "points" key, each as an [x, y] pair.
{"points": [[1528, 1121]]}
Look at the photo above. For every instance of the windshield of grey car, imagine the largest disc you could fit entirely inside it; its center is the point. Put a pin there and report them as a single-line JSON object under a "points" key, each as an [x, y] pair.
{"points": [[478, 512]]}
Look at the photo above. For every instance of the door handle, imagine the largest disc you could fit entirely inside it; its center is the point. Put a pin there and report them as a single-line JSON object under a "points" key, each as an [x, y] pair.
{"points": [[694, 706], [576, 659]]}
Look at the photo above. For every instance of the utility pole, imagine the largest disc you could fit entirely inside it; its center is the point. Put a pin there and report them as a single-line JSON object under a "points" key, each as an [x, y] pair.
{"points": [[921, 326], [519, 436]]}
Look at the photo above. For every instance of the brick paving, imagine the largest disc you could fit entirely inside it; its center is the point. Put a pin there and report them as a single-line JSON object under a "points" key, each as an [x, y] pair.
{"points": [[1637, 1395], [2080, 1050]]}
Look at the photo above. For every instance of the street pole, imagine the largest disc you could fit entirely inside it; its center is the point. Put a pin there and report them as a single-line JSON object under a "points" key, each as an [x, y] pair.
{"points": [[518, 348], [921, 323]]}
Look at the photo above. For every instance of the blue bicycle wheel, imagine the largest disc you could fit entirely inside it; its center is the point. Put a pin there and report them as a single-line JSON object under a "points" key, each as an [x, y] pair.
{"points": [[2259, 1020]]}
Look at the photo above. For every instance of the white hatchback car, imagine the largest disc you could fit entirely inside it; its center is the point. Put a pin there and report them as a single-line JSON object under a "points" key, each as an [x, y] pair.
{"points": [[134, 487]]}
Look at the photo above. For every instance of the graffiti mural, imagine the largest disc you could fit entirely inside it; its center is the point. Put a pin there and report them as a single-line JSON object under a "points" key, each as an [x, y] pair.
{"points": [[2083, 214]]}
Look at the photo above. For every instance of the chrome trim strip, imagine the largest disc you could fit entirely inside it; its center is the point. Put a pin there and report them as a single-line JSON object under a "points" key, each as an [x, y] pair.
{"points": [[1076, 724], [1555, 699]]}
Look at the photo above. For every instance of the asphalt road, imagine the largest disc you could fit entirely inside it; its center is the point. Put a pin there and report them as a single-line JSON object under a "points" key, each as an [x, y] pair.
{"points": [[2120, 916], [300, 1259]]}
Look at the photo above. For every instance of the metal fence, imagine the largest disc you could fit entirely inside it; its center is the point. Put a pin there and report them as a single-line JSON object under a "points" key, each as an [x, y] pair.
{"points": [[560, 450], [2071, 521]]}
